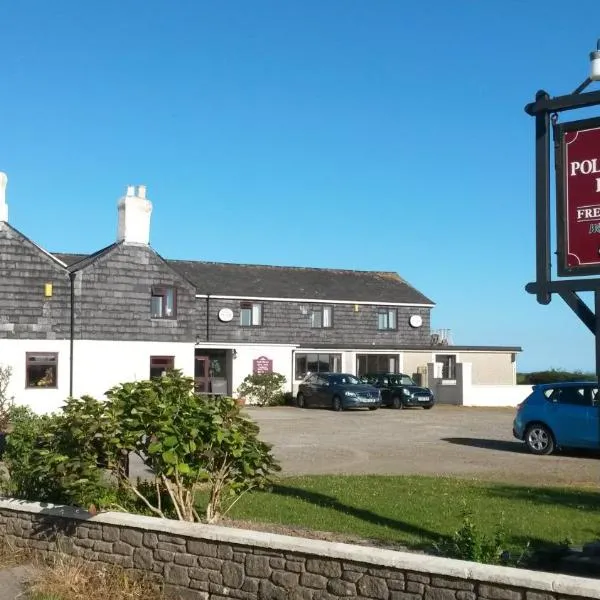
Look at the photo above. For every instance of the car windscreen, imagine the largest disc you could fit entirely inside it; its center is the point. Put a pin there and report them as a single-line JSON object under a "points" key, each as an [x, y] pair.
{"points": [[401, 380], [344, 380]]}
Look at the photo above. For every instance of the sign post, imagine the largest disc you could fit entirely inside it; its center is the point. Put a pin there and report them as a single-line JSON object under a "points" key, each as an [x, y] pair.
{"points": [[577, 169]]}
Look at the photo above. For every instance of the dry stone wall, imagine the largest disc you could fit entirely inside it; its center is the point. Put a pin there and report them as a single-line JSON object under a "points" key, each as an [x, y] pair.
{"points": [[200, 562]]}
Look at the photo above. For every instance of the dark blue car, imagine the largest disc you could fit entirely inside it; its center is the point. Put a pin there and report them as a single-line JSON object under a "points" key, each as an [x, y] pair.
{"points": [[556, 415], [337, 391]]}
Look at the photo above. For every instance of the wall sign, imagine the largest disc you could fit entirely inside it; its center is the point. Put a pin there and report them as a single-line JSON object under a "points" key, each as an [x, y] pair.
{"points": [[578, 197], [262, 365], [415, 321], [225, 315]]}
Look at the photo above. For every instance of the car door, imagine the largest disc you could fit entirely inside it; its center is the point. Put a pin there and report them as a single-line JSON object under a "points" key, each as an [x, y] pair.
{"points": [[384, 384], [322, 391], [309, 391], [572, 416]]}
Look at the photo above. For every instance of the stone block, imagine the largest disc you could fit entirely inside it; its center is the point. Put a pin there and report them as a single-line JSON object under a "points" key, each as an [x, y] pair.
{"points": [[150, 540], [285, 580], [352, 576], [100, 546], [186, 560], [202, 548], [532, 596], [314, 581], [453, 584], [233, 574], [225, 552], [398, 585], [199, 574], [122, 548], [277, 563], [404, 596], [432, 593], [416, 577], [251, 585], [214, 564], [176, 575], [215, 577], [163, 556], [132, 537], [171, 539], [110, 534], [339, 587], [414, 588], [328, 568], [258, 566], [372, 587], [269, 591], [293, 566], [170, 547], [462, 595], [495, 592], [142, 558]]}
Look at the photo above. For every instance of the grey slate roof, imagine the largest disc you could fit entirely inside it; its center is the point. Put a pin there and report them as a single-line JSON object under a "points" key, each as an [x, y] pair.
{"points": [[226, 279]]}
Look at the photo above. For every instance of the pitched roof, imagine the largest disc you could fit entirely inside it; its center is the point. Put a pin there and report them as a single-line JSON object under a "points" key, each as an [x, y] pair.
{"points": [[263, 281]]}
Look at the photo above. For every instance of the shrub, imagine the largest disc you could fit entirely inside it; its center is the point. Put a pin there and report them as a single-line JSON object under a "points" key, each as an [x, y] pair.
{"points": [[263, 389], [6, 401], [468, 543]]}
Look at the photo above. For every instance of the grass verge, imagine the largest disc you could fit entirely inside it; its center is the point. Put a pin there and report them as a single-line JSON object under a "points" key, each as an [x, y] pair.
{"points": [[67, 578], [416, 512]]}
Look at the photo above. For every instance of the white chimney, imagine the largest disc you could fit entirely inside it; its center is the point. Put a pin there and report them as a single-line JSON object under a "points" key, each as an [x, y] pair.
{"points": [[3, 205], [134, 216]]}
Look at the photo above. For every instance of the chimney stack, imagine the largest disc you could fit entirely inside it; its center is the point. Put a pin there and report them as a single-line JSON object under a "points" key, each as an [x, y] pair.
{"points": [[134, 216], [3, 205]]}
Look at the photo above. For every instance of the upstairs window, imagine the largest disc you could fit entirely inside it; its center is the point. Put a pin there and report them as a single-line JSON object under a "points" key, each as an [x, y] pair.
{"points": [[321, 317], [41, 370], [386, 319], [163, 304], [250, 314]]}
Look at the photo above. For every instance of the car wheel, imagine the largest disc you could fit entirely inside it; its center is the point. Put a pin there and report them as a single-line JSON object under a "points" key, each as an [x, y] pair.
{"points": [[539, 440], [373, 407], [300, 403], [428, 407], [336, 403], [397, 402]]}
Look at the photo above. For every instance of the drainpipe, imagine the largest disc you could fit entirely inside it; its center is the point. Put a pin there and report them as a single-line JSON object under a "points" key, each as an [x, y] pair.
{"points": [[72, 333], [208, 317]]}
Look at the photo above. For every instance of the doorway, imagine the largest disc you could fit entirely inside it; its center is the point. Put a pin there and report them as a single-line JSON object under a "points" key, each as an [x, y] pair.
{"points": [[212, 371]]}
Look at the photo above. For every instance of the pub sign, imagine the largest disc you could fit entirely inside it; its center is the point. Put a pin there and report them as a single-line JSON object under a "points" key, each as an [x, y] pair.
{"points": [[262, 365], [578, 197]]}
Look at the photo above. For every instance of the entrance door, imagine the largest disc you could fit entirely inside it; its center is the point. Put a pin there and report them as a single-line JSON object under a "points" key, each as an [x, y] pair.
{"points": [[202, 375]]}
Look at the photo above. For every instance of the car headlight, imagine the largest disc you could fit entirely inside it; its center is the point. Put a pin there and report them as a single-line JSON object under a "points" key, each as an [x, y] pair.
{"points": [[350, 394], [405, 392]]}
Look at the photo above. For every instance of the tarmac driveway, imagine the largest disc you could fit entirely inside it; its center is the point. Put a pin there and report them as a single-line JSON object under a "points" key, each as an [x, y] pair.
{"points": [[469, 442]]}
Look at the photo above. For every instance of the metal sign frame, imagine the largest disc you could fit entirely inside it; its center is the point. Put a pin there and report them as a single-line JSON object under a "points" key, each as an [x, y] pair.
{"points": [[543, 287]]}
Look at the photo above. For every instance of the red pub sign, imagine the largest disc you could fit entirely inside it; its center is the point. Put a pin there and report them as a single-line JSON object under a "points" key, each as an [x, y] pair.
{"points": [[578, 197], [262, 365]]}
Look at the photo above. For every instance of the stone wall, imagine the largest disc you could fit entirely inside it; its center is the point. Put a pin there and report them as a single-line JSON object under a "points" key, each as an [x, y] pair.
{"points": [[200, 561]]}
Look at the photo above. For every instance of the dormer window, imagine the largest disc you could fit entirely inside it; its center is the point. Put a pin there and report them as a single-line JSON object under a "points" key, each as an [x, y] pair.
{"points": [[163, 303]]}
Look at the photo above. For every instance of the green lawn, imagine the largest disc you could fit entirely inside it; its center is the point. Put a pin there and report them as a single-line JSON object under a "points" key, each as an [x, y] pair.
{"points": [[418, 511]]}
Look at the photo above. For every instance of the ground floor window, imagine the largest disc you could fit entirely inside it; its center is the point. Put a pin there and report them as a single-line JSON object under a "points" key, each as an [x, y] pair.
{"points": [[448, 362], [317, 363], [376, 363], [159, 365], [41, 370]]}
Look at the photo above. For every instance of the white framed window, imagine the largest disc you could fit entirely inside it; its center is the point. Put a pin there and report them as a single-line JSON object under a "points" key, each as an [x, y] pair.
{"points": [[251, 314], [163, 303], [321, 317], [448, 362], [387, 319]]}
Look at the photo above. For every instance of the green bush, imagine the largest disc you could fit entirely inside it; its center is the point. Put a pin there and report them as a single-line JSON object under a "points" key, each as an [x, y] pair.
{"points": [[263, 389], [553, 376], [468, 543]]}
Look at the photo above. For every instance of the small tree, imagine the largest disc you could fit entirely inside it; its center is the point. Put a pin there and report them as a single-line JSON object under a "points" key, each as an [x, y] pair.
{"points": [[6, 401], [263, 389], [190, 443]]}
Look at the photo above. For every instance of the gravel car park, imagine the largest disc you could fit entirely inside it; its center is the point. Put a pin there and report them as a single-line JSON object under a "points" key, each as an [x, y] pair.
{"points": [[466, 442]]}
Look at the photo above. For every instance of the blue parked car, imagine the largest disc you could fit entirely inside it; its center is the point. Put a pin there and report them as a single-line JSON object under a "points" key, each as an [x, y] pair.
{"points": [[556, 415]]}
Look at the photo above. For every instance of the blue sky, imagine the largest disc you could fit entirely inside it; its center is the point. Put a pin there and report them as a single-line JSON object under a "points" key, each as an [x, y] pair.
{"points": [[372, 134]]}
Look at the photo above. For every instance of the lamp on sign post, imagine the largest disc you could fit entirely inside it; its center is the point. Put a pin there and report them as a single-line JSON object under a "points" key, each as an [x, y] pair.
{"points": [[577, 210]]}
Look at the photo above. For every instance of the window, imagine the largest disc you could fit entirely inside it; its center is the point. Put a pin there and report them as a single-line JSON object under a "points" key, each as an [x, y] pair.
{"points": [[376, 363], [317, 363], [41, 369], [386, 319], [448, 362], [251, 314], [159, 365], [575, 396], [163, 304], [321, 317]]}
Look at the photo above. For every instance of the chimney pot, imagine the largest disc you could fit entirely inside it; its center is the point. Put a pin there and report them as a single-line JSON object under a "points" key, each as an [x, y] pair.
{"points": [[141, 191], [131, 190], [3, 205]]}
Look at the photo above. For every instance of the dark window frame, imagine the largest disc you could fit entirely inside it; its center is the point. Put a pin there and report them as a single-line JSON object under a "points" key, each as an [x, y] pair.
{"points": [[50, 364], [387, 310], [321, 309], [451, 368], [157, 365], [162, 291], [249, 304], [331, 359]]}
